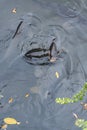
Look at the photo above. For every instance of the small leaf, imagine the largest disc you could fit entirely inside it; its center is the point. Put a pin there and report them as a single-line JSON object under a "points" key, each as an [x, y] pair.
{"points": [[85, 106], [27, 95], [10, 100], [10, 121], [57, 74], [14, 10]]}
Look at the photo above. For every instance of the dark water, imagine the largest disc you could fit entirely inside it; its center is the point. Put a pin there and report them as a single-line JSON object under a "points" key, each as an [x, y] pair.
{"points": [[65, 20]]}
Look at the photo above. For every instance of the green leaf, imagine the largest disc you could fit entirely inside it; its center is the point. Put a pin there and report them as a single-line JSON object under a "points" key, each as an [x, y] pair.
{"points": [[81, 123]]}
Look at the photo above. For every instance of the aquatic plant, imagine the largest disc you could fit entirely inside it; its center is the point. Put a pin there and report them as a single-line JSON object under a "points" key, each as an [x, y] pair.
{"points": [[80, 122], [75, 98]]}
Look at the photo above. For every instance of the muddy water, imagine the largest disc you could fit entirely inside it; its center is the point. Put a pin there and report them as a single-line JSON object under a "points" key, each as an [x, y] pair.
{"points": [[65, 20]]}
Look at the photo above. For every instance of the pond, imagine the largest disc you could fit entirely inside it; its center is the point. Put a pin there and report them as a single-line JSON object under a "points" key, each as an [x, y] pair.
{"points": [[29, 87]]}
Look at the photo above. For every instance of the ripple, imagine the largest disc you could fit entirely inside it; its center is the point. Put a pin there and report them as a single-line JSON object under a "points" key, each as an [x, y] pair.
{"points": [[26, 26], [31, 25], [69, 8], [56, 31], [38, 41], [31, 21], [64, 8], [4, 38], [84, 2], [43, 40]]}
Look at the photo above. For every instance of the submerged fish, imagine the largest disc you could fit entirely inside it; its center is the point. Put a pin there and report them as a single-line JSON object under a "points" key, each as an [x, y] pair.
{"points": [[42, 56]]}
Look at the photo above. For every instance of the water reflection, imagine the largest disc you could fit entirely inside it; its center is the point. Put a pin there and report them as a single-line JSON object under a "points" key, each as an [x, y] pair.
{"points": [[84, 3], [69, 8], [18, 78], [64, 8], [41, 43]]}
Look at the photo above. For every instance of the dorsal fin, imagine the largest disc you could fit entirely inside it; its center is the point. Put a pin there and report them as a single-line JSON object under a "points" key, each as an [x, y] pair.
{"points": [[53, 49]]}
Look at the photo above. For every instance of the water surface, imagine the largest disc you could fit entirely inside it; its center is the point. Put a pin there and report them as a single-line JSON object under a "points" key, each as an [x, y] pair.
{"points": [[42, 21]]}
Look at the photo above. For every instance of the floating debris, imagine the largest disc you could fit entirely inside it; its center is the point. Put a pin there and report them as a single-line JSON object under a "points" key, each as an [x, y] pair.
{"points": [[57, 74], [10, 100], [53, 59], [16, 32], [75, 115], [1, 96], [84, 105], [4, 126], [14, 11], [80, 122], [27, 95], [11, 121]]}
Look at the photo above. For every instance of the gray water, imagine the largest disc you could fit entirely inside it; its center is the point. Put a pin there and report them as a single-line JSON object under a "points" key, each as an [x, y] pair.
{"points": [[43, 20]]}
